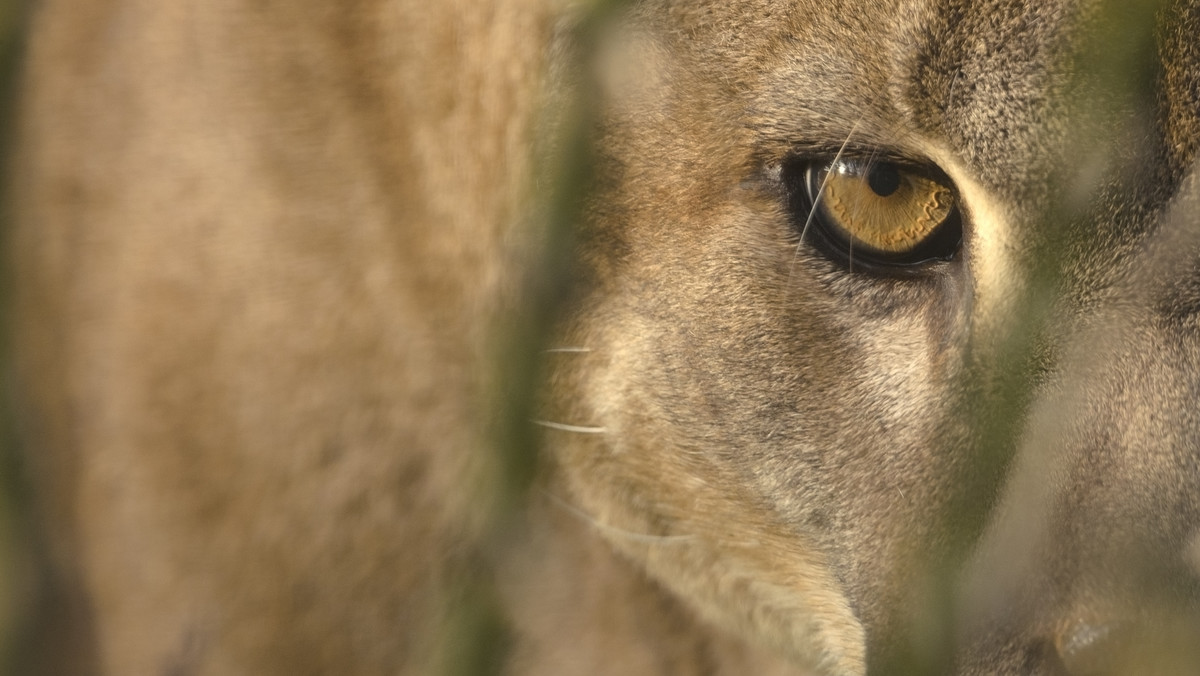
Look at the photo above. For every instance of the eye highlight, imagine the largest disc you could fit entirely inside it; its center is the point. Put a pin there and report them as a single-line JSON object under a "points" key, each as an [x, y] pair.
{"points": [[880, 216]]}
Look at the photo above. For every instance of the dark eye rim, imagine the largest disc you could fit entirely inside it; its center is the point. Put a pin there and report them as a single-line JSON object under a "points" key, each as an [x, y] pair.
{"points": [[942, 245]]}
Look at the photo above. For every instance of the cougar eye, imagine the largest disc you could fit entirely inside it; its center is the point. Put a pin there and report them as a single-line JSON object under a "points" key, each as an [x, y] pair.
{"points": [[879, 215]]}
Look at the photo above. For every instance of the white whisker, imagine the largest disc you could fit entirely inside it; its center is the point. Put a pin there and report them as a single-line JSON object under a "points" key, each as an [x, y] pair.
{"points": [[581, 429], [568, 349], [817, 200], [613, 530], [950, 95]]}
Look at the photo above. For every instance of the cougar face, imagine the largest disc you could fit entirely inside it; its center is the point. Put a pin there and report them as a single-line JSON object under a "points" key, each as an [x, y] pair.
{"points": [[880, 352], [810, 415]]}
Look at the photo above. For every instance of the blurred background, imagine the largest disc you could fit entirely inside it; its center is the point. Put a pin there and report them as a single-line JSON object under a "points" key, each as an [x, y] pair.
{"points": [[16, 569]]}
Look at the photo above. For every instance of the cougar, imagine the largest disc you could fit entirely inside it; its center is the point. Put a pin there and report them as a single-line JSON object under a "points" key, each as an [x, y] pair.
{"points": [[856, 338]]}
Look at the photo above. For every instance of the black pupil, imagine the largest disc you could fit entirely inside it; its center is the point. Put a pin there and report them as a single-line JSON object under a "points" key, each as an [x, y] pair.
{"points": [[883, 179]]}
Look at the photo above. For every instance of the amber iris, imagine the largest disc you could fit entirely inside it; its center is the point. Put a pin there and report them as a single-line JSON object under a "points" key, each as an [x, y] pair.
{"points": [[881, 206]]}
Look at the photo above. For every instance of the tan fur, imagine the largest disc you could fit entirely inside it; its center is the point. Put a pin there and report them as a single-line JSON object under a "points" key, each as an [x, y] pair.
{"points": [[264, 254]]}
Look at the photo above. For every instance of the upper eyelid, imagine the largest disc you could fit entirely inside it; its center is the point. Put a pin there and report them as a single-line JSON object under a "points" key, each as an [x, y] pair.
{"points": [[873, 155], [852, 148], [816, 152], [769, 175]]}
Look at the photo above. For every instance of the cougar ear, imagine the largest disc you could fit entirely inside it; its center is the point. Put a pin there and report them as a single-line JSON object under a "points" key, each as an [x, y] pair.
{"points": [[784, 595], [688, 521], [796, 612]]}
